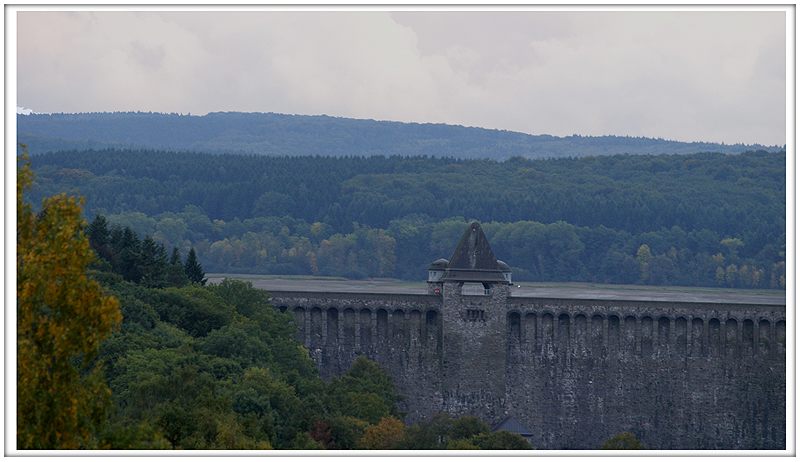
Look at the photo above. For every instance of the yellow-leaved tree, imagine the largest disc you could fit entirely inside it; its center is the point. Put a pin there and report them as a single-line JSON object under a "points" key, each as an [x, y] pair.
{"points": [[62, 317]]}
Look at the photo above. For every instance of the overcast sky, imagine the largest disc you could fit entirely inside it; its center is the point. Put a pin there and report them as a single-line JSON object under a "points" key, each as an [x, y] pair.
{"points": [[694, 76]]}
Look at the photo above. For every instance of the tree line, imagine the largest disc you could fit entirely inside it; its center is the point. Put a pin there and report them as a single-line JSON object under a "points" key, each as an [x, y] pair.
{"points": [[270, 134], [704, 219]]}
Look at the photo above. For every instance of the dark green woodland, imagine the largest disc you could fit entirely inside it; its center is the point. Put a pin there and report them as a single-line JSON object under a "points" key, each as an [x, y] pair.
{"points": [[704, 219]]}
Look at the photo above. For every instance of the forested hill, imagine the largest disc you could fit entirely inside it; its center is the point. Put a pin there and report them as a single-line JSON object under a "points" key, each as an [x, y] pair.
{"points": [[702, 219], [295, 135]]}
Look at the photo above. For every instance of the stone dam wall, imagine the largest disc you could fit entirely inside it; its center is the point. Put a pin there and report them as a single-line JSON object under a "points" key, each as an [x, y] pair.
{"points": [[574, 372]]}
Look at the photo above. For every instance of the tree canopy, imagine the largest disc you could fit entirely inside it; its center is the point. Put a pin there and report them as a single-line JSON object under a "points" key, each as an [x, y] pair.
{"points": [[63, 316]]}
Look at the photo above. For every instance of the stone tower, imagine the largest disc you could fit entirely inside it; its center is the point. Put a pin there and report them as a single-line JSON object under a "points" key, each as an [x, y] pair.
{"points": [[474, 287]]}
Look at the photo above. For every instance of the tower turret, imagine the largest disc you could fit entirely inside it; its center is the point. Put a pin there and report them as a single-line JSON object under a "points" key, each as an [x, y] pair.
{"points": [[475, 288], [435, 275]]}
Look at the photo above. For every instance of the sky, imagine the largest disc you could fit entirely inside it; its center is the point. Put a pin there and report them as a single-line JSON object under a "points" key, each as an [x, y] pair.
{"points": [[691, 76]]}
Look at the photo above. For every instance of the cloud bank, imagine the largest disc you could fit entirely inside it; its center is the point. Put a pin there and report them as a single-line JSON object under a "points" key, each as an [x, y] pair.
{"points": [[710, 76]]}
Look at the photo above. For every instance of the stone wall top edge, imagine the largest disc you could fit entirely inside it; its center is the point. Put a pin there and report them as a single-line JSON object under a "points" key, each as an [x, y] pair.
{"points": [[356, 296], [516, 301]]}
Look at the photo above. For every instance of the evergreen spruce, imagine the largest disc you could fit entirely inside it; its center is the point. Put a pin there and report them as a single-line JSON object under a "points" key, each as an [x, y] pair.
{"points": [[153, 263], [194, 271], [98, 232], [175, 259], [129, 255], [176, 274]]}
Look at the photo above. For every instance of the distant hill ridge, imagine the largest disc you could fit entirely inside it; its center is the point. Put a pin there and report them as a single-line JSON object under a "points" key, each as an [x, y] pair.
{"points": [[274, 134]]}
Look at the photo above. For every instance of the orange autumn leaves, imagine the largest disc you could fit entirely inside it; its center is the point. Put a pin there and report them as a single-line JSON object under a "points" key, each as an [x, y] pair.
{"points": [[62, 317]]}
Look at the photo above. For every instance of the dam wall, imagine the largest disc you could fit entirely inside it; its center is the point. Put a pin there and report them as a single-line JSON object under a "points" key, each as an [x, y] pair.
{"points": [[574, 372]]}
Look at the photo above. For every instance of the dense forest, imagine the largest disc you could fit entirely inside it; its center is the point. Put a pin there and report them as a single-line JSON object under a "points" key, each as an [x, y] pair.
{"points": [[703, 219], [120, 347], [217, 367], [296, 135]]}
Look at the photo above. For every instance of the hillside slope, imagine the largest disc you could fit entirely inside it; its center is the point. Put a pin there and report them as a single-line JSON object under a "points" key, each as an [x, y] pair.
{"points": [[297, 135]]}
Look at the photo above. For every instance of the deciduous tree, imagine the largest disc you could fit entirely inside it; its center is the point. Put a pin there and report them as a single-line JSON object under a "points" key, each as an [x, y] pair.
{"points": [[388, 433], [62, 317]]}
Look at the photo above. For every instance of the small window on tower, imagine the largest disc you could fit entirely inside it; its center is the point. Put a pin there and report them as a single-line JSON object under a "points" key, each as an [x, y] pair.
{"points": [[476, 315]]}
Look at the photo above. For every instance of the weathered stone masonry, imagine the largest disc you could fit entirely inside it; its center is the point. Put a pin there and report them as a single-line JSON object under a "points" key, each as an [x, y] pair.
{"points": [[575, 372]]}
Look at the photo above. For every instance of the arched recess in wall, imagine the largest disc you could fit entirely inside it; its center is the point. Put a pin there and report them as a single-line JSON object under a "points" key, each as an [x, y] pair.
{"points": [[714, 340], [415, 327], [333, 327], [614, 334], [596, 335], [316, 327], [514, 333], [382, 327], [299, 314], [548, 333], [647, 336], [580, 334], [731, 338], [663, 336], [365, 331], [563, 334], [764, 337], [748, 337], [349, 328], [697, 328], [681, 336]]}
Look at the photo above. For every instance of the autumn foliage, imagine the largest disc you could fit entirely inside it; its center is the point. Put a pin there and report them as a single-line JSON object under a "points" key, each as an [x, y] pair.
{"points": [[386, 434], [62, 318]]}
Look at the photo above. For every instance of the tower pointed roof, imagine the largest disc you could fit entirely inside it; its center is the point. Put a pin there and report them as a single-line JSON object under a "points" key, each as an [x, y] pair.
{"points": [[473, 250], [473, 259]]}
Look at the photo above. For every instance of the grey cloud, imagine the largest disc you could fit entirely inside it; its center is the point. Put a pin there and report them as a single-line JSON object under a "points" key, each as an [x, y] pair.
{"points": [[716, 76]]}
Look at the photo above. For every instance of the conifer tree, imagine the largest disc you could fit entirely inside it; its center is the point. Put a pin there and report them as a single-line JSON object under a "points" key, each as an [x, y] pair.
{"points": [[176, 274], [153, 263], [99, 234], [128, 255], [194, 271], [175, 259]]}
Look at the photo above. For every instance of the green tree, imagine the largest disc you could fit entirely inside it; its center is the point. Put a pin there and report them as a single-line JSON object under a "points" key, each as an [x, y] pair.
{"points": [[433, 434], [462, 444], [501, 440], [194, 271], [176, 274], [625, 440], [366, 391], [100, 237], [388, 433], [468, 426], [153, 263], [62, 317]]}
